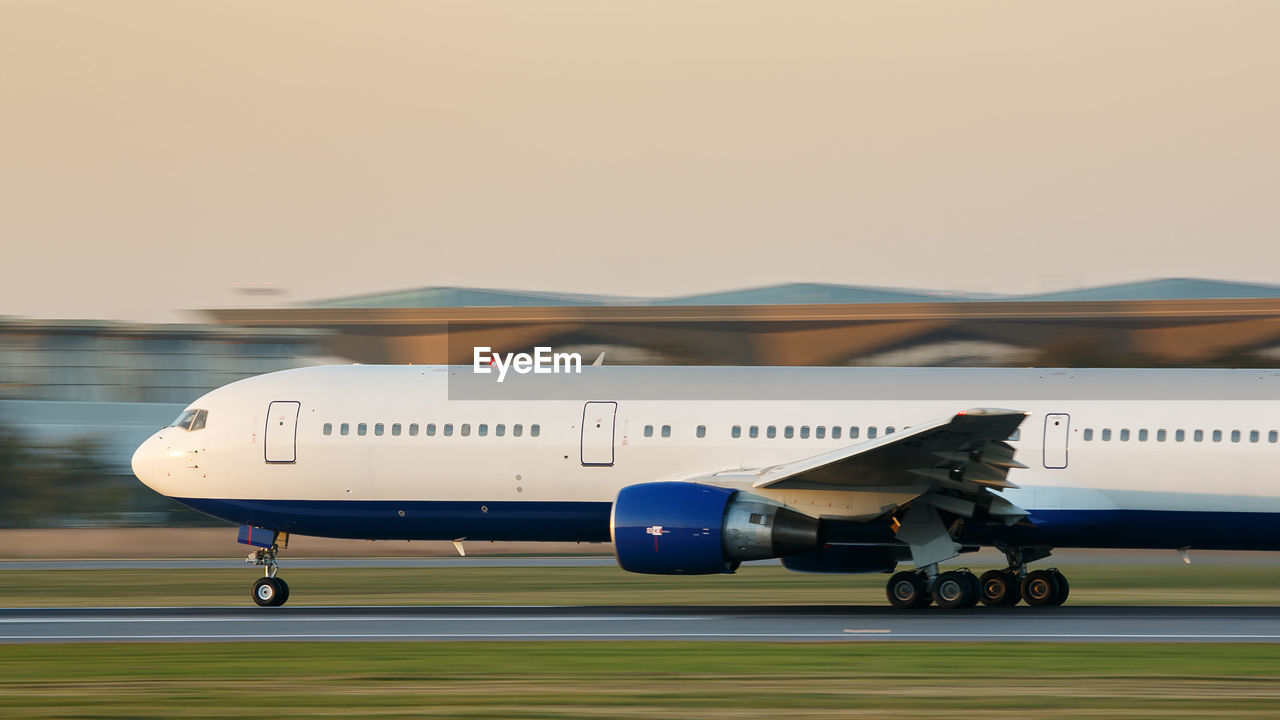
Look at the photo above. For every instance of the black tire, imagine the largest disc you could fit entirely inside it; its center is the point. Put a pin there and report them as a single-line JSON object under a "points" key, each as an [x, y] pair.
{"points": [[975, 589], [1040, 588], [284, 592], [955, 589], [269, 592], [1064, 587], [999, 587], [1015, 588], [908, 590]]}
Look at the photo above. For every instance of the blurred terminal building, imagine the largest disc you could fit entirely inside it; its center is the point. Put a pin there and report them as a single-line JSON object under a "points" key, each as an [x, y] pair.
{"points": [[117, 382]]}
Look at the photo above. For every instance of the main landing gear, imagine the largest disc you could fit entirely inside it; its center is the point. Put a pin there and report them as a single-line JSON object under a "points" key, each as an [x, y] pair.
{"points": [[963, 589], [269, 590]]}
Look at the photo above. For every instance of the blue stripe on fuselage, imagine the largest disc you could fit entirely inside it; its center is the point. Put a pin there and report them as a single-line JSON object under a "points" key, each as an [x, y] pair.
{"points": [[418, 520], [589, 522]]}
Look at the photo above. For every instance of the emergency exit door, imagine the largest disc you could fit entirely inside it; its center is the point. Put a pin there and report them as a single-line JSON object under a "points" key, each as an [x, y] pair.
{"points": [[1057, 427], [597, 432], [281, 436]]}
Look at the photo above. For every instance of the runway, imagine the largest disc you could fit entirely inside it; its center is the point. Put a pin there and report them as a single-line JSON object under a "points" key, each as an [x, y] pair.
{"points": [[689, 623]]}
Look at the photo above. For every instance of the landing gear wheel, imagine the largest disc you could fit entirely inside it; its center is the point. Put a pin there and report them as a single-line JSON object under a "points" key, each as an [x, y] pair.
{"points": [[975, 587], [1000, 587], [1064, 588], [1041, 587], [955, 589], [270, 592], [908, 590]]}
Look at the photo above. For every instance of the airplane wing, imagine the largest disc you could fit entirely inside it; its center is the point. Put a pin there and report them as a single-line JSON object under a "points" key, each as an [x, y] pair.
{"points": [[954, 462]]}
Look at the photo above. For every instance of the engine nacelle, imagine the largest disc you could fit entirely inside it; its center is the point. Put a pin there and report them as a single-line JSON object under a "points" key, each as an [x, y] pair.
{"points": [[681, 528]]}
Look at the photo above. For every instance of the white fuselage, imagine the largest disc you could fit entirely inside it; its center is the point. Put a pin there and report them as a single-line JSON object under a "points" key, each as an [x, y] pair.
{"points": [[1189, 458]]}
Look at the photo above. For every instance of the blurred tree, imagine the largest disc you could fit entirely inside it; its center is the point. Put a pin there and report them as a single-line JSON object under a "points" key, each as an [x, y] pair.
{"points": [[70, 484]]}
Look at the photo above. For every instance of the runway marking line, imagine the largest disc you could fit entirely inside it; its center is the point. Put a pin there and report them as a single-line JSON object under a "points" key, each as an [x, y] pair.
{"points": [[657, 635], [867, 631]]}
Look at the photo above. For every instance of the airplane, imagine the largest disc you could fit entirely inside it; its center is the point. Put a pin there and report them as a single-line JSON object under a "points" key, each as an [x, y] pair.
{"points": [[694, 470]]}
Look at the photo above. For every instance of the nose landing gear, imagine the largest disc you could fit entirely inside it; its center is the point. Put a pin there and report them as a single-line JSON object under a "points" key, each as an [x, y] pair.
{"points": [[269, 590]]}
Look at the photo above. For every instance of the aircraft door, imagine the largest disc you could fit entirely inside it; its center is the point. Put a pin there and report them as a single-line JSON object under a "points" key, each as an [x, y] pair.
{"points": [[1056, 432], [281, 435], [597, 433]]}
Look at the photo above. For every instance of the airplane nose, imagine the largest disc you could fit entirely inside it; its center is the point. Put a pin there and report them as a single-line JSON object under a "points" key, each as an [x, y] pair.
{"points": [[147, 463]]}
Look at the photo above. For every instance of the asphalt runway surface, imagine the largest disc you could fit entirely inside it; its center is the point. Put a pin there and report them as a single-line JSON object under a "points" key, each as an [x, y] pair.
{"points": [[691, 623]]}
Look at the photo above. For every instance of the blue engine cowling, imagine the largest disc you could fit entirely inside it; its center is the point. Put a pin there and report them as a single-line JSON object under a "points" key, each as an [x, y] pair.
{"points": [[681, 528]]}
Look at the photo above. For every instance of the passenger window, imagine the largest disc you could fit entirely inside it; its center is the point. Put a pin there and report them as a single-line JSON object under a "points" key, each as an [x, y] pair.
{"points": [[701, 431], [377, 429], [835, 432], [1199, 436], [1273, 436], [888, 430], [362, 429], [755, 431], [482, 429], [517, 430], [853, 432], [1235, 436], [395, 428], [448, 429], [771, 432], [1106, 434], [1124, 435], [820, 432], [431, 429], [736, 431], [871, 431], [500, 430], [345, 429], [413, 429], [1160, 436], [788, 432], [666, 431], [465, 430], [535, 430], [328, 428], [1088, 434], [1217, 436], [648, 431], [1142, 435], [1254, 436], [804, 432], [1180, 435]]}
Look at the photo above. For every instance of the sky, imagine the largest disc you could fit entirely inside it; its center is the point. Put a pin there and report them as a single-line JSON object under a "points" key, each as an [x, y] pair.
{"points": [[157, 157]]}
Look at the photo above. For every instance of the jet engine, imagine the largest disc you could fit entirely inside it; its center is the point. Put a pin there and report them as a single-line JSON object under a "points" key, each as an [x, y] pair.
{"points": [[683, 528]]}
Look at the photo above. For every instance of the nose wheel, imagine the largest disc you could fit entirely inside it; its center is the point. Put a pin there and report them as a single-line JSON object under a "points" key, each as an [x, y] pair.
{"points": [[270, 592]]}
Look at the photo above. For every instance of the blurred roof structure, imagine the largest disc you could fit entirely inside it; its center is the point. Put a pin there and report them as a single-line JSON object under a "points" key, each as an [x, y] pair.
{"points": [[1165, 289], [795, 294], [1179, 321]]}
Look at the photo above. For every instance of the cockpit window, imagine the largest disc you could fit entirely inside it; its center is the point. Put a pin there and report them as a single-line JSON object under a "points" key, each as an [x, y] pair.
{"points": [[191, 420]]}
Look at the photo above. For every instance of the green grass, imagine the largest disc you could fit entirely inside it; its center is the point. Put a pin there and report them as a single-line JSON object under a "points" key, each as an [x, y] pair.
{"points": [[638, 680], [1097, 585]]}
